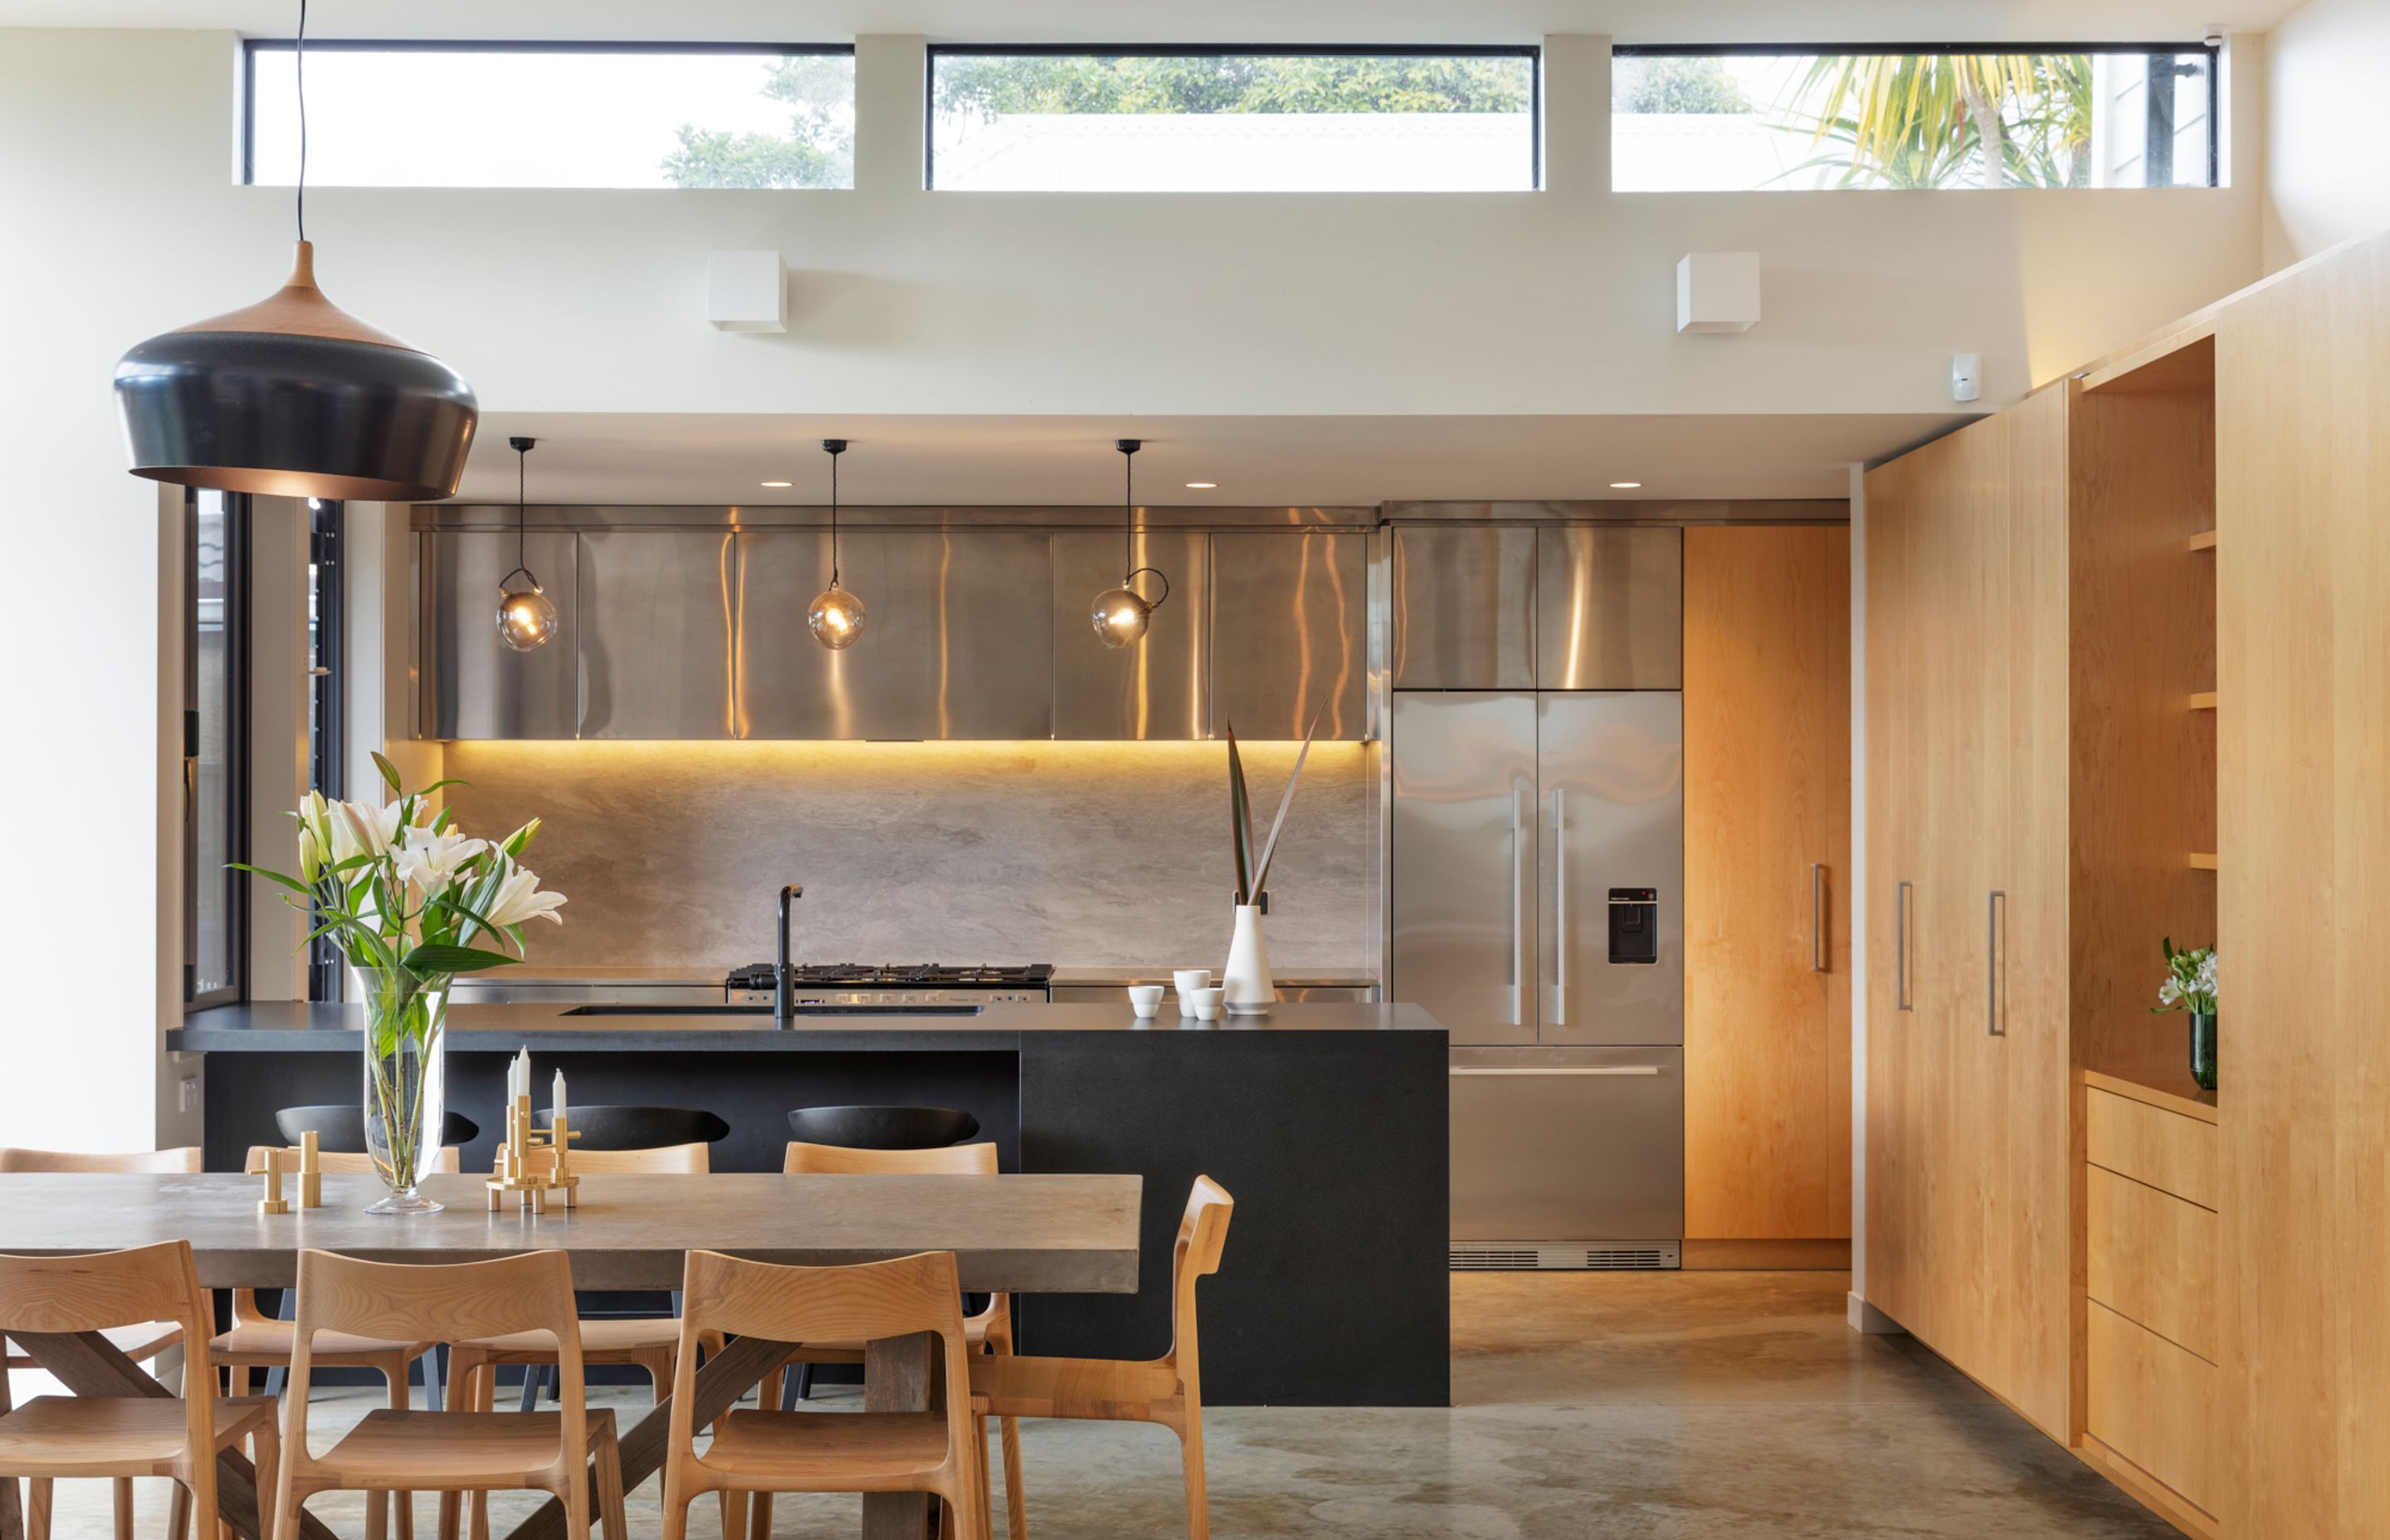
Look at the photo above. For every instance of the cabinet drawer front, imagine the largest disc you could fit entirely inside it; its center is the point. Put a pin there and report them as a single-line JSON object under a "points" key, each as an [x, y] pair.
{"points": [[2153, 1403], [2148, 1144], [2153, 1259]]}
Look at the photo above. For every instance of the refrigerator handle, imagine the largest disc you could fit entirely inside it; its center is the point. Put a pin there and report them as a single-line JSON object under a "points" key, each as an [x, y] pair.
{"points": [[1560, 909], [1517, 929], [1900, 948], [1817, 917]]}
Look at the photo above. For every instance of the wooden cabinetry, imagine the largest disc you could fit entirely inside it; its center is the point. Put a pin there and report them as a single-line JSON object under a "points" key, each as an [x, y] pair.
{"points": [[1767, 676]]}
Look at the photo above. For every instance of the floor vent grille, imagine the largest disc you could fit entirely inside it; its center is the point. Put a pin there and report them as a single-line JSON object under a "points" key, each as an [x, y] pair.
{"points": [[1496, 1256]]}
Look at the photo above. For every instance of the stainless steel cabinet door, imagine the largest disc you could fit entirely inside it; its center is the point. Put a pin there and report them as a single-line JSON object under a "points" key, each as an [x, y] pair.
{"points": [[659, 610], [1464, 606], [1159, 688], [957, 640], [1464, 861], [1568, 1144], [1289, 633], [1613, 783], [1609, 609], [476, 687]]}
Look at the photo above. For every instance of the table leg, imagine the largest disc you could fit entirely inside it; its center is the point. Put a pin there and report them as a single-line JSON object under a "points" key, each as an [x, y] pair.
{"points": [[721, 1381], [12, 1517], [897, 1376], [88, 1363]]}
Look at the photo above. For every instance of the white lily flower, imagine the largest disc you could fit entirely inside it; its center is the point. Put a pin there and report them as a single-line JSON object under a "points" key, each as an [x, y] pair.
{"points": [[519, 898], [429, 862], [360, 828]]}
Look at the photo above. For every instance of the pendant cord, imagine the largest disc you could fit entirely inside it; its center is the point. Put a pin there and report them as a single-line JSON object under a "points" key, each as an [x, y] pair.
{"points": [[301, 58], [522, 463], [833, 518], [1128, 512]]}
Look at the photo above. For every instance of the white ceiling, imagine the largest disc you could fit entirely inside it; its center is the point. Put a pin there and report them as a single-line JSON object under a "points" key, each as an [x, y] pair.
{"points": [[1186, 20], [1274, 461]]}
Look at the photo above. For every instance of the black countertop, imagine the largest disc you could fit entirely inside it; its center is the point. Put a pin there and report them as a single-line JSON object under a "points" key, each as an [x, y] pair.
{"points": [[273, 1026]]}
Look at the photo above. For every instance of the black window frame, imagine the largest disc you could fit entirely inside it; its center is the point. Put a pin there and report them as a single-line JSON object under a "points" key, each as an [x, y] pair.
{"points": [[237, 756], [1532, 52], [1765, 50], [327, 703], [252, 47]]}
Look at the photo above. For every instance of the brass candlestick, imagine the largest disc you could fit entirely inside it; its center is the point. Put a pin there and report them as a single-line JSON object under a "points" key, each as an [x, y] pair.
{"points": [[531, 1165], [270, 1200], [311, 1175]]}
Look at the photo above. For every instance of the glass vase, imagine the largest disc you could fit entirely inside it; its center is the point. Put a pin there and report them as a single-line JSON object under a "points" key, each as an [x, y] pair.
{"points": [[404, 1081], [2202, 1049]]}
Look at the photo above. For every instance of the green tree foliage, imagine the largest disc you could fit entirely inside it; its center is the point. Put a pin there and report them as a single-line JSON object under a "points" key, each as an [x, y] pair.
{"points": [[817, 151], [993, 85], [1675, 85], [1938, 121]]}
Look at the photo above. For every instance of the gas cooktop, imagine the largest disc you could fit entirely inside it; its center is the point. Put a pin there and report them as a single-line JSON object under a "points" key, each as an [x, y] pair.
{"points": [[894, 984]]}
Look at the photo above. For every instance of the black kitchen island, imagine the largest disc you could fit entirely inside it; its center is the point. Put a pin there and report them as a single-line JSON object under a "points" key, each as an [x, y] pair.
{"points": [[1326, 1122]]}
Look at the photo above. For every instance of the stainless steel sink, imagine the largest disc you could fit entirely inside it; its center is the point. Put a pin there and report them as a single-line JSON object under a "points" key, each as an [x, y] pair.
{"points": [[763, 1013]]}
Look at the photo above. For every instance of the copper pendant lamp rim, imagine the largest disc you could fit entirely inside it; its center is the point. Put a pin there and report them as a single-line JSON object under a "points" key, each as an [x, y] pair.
{"points": [[300, 309]]}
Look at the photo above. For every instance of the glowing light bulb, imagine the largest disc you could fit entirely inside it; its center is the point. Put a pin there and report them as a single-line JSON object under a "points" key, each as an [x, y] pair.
{"points": [[526, 618], [835, 619], [1120, 617]]}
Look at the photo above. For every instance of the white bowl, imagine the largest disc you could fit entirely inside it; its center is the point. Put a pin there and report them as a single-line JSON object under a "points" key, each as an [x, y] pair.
{"points": [[1188, 981], [1206, 1002], [1145, 999]]}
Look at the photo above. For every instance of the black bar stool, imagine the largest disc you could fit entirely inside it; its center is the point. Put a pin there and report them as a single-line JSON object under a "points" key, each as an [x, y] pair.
{"points": [[341, 1129], [638, 1127]]}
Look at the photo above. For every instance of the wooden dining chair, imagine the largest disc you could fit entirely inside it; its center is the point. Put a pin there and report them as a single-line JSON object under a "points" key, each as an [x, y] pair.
{"points": [[452, 1451], [987, 1330], [144, 1342], [759, 1451], [122, 1437], [1166, 1390], [259, 1340], [647, 1342]]}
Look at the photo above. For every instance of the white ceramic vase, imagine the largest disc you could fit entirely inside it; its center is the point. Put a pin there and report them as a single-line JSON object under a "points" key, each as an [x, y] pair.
{"points": [[1247, 977]]}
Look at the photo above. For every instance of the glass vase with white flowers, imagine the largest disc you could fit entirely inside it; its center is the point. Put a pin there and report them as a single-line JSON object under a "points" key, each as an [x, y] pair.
{"points": [[411, 901], [2190, 987]]}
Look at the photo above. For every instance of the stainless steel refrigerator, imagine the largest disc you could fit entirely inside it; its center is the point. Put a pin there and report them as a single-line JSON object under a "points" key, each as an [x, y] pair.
{"points": [[1537, 878]]}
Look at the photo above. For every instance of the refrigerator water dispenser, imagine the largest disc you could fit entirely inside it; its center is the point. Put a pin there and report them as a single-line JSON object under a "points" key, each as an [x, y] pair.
{"points": [[1635, 925]]}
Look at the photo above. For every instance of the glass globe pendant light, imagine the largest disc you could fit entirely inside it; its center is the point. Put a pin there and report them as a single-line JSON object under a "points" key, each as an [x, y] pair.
{"points": [[836, 618], [526, 618], [1122, 614], [293, 396]]}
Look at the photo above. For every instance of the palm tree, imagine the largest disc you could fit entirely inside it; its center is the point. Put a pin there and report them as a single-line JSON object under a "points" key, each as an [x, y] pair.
{"points": [[1928, 119]]}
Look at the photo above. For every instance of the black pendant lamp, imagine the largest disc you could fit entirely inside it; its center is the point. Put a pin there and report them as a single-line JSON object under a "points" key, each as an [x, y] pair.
{"points": [[295, 397], [526, 615], [1122, 614], [836, 616]]}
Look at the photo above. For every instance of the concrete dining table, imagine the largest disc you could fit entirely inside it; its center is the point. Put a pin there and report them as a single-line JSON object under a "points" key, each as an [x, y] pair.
{"points": [[1014, 1234]]}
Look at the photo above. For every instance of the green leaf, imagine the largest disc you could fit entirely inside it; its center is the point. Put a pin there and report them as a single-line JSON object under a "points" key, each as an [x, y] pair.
{"points": [[291, 882], [389, 772], [429, 958]]}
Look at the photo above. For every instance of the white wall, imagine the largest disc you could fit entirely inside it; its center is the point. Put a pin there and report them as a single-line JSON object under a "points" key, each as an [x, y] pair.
{"points": [[2327, 164], [119, 217]]}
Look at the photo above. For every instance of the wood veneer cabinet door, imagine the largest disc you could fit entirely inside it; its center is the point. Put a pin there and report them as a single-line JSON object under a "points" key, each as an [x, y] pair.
{"points": [[2303, 573], [1766, 677], [1968, 1186]]}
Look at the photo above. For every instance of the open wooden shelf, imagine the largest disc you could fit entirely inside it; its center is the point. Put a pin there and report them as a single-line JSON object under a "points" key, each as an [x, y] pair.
{"points": [[2204, 541], [2202, 861], [2203, 701], [2183, 364]]}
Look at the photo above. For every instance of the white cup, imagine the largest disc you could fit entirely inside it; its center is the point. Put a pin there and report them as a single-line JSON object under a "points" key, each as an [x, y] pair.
{"points": [[1189, 979], [1145, 999], [1206, 1002]]}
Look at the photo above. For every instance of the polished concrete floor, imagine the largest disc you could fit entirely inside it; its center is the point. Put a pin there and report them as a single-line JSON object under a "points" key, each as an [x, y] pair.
{"points": [[1666, 1405]]}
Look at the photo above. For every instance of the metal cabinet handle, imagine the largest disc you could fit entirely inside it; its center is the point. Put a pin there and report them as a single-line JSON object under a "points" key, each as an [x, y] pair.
{"points": [[1900, 948], [1518, 930], [1995, 944], [1560, 909], [1576, 1070], [1817, 917]]}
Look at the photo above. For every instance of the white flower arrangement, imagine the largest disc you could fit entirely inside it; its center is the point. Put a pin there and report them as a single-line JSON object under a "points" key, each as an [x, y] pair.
{"points": [[2189, 983]]}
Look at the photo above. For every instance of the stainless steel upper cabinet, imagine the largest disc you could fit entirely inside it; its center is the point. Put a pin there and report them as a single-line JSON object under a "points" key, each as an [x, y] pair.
{"points": [[1289, 633], [476, 687], [1609, 609], [1464, 606], [957, 640], [1160, 688], [1463, 861], [659, 610], [1611, 779]]}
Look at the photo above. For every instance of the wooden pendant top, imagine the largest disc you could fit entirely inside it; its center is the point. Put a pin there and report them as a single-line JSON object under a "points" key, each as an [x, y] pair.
{"points": [[300, 309]]}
